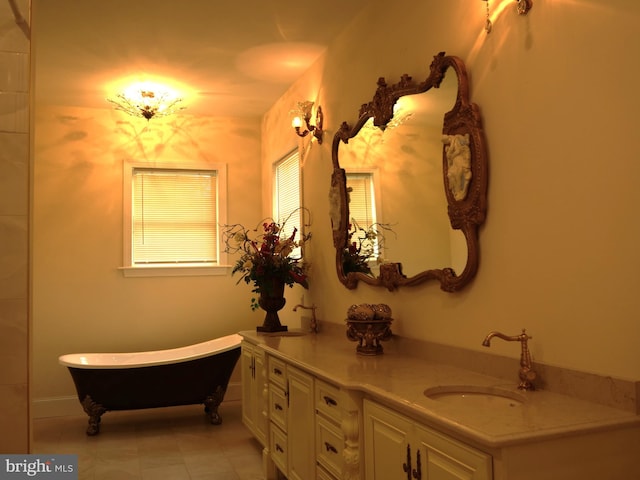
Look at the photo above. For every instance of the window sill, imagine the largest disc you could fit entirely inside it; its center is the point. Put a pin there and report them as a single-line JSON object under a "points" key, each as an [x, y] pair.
{"points": [[173, 270]]}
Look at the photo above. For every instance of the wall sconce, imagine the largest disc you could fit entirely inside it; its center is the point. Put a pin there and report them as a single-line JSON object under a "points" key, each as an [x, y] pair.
{"points": [[487, 24], [303, 114], [147, 101], [523, 7]]}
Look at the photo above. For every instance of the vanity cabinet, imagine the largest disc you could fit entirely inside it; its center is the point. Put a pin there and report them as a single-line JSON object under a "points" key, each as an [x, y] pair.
{"points": [[291, 412], [254, 388], [314, 428], [397, 447], [329, 436], [324, 413], [338, 432]]}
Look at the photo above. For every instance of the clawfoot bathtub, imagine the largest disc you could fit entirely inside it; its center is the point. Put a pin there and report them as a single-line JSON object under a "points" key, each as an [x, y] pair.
{"points": [[187, 375]]}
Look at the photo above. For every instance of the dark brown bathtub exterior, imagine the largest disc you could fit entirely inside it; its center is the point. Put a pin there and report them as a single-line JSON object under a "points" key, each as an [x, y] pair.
{"points": [[203, 380]]}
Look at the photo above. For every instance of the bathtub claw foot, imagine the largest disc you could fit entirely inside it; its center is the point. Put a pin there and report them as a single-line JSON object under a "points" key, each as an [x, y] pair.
{"points": [[215, 418], [211, 404], [95, 411], [94, 427]]}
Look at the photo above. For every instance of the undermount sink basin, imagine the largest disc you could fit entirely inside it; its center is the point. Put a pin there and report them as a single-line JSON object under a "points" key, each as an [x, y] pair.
{"points": [[475, 396]]}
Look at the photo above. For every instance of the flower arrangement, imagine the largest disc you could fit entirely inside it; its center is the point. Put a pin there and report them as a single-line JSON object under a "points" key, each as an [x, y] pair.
{"points": [[363, 246], [265, 256]]}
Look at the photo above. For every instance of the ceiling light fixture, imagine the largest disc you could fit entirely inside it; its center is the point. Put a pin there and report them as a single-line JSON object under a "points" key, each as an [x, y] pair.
{"points": [[303, 114], [147, 101]]}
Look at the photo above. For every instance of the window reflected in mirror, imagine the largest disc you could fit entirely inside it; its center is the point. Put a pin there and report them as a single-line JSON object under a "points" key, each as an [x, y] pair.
{"points": [[363, 252]]}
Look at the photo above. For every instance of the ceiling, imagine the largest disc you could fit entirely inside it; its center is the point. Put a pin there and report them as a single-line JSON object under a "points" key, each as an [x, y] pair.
{"points": [[228, 58]]}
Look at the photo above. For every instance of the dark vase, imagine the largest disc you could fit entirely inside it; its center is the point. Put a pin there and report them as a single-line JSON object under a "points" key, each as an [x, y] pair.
{"points": [[271, 300]]}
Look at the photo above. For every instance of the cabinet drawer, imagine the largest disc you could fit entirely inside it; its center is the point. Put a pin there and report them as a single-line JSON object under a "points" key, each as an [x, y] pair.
{"points": [[328, 400], [279, 452], [322, 474], [277, 369], [329, 446], [278, 407]]}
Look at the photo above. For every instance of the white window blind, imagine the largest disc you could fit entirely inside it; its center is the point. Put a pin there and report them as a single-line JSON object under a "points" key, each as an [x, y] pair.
{"points": [[361, 199], [362, 206], [286, 201], [174, 216]]}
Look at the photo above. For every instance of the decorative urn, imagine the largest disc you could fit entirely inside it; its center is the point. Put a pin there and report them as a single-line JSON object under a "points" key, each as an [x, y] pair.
{"points": [[368, 325]]}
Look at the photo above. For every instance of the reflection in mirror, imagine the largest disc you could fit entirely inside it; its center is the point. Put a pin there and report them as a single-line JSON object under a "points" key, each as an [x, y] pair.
{"points": [[425, 148], [407, 160]]}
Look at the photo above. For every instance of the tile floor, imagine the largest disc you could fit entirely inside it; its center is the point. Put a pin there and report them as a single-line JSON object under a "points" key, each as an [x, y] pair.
{"points": [[174, 443]]}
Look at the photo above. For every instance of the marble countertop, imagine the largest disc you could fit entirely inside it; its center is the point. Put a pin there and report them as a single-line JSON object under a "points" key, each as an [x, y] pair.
{"points": [[399, 379]]}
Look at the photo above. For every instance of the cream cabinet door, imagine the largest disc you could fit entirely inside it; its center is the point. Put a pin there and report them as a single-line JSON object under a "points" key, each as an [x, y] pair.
{"points": [[396, 447], [253, 387], [300, 430], [443, 458], [386, 443]]}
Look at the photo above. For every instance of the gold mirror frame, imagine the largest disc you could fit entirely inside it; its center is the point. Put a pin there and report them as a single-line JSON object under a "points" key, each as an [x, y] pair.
{"points": [[466, 213]]}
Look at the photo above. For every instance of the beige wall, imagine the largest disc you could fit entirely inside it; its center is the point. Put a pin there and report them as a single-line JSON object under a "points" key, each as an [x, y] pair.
{"points": [[81, 301], [14, 231], [558, 95], [559, 248]]}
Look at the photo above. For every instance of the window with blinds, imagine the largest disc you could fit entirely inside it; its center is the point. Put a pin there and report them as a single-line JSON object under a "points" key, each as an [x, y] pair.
{"points": [[174, 217], [287, 196], [362, 207], [362, 202]]}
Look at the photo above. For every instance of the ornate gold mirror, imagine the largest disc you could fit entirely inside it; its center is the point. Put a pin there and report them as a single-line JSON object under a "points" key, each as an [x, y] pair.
{"points": [[422, 147]]}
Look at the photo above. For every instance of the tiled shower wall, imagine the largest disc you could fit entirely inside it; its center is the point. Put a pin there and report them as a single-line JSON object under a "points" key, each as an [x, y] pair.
{"points": [[14, 230]]}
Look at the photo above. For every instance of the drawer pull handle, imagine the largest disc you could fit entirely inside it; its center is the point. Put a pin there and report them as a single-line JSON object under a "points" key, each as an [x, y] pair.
{"points": [[330, 448], [330, 401], [277, 371], [278, 406], [279, 448]]}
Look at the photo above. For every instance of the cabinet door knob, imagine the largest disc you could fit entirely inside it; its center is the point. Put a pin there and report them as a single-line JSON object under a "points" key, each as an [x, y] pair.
{"points": [[277, 406], [277, 371]]}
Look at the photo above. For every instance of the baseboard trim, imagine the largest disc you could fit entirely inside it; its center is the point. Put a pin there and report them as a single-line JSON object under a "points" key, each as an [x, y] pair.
{"points": [[234, 392], [56, 407], [69, 405]]}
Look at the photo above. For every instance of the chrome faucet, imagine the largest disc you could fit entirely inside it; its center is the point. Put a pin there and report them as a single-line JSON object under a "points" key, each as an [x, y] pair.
{"points": [[314, 323], [527, 374]]}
